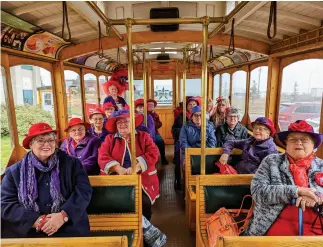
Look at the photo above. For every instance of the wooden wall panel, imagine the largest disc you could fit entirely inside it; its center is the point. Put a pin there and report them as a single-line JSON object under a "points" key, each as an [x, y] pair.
{"points": [[167, 118]]}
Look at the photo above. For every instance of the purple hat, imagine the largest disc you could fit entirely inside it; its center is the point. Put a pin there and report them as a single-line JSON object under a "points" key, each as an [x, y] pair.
{"points": [[267, 122], [301, 126]]}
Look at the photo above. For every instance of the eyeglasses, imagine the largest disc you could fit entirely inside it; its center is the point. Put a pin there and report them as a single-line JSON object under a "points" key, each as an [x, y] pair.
{"points": [[260, 128], [97, 119], [295, 140], [77, 130], [41, 142], [126, 122], [197, 115], [232, 116]]}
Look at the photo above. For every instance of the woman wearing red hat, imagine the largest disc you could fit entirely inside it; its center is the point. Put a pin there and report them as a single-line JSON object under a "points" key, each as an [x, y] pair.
{"points": [[283, 178], [97, 118], [255, 148], [46, 193], [82, 145], [113, 90], [151, 105], [139, 108], [114, 156], [109, 108]]}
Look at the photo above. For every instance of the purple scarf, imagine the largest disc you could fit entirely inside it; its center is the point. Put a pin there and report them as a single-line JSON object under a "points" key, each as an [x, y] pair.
{"points": [[28, 192]]}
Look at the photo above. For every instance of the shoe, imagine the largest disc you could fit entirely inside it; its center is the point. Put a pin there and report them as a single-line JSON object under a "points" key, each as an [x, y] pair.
{"points": [[177, 185], [164, 161]]}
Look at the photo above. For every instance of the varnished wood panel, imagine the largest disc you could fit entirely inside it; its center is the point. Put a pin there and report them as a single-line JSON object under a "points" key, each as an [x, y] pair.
{"points": [[167, 118]]}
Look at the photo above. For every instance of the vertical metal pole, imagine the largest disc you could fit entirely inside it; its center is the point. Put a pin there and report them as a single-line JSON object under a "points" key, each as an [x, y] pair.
{"points": [[145, 86], [177, 86], [204, 92], [131, 95], [184, 86]]}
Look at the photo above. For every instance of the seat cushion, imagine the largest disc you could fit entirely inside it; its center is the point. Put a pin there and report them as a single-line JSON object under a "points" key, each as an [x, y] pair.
{"points": [[112, 200], [130, 235], [229, 197]]}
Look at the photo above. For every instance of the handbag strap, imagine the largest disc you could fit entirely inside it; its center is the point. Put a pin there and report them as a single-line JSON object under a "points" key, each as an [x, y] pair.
{"points": [[246, 196]]}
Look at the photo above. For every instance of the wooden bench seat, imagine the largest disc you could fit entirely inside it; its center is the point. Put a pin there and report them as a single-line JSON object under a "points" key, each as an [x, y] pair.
{"points": [[192, 170], [115, 208], [270, 241], [214, 192], [120, 241]]}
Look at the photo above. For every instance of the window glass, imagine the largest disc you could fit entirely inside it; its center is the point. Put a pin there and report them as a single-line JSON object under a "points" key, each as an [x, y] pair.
{"points": [[91, 95], [73, 94], [239, 87], [230, 5], [33, 97], [257, 93], [301, 93], [225, 89], [139, 92], [216, 87], [193, 87], [102, 79], [163, 92], [6, 145]]}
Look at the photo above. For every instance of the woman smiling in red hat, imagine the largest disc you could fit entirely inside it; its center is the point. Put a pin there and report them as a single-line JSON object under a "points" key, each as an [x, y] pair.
{"points": [[46, 193], [97, 118], [82, 145]]}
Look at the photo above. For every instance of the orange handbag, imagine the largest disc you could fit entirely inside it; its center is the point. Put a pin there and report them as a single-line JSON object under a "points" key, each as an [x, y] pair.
{"points": [[222, 223]]}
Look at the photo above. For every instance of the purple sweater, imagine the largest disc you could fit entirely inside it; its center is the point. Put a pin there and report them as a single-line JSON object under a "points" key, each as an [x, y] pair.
{"points": [[86, 151], [253, 152]]}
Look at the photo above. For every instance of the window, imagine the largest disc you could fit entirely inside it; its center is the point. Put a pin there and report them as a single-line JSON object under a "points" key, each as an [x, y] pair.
{"points": [[239, 87], [193, 87], [102, 79], [6, 145], [225, 89], [257, 93], [163, 92], [33, 97], [216, 87], [230, 5], [91, 95], [73, 94], [138, 93], [301, 93]]}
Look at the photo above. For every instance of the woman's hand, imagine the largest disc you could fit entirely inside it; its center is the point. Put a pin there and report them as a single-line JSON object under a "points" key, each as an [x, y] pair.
{"points": [[120, 170], [55, 221], [308, 192], [138, 168], [38, 221], [305, 201], [224, 159], [128, 171]]}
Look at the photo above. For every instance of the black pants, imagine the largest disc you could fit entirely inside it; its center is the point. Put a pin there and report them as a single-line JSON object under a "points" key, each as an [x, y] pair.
{"points": [[161, 145], [177, 160], [146, 206]]}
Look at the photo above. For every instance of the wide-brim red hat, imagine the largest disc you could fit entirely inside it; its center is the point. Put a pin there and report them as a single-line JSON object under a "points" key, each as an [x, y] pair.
{"points": [[152, 100], [113, 81], [35, 130], [267, 122], [97, 110], [139, 102], [301, 126], [111, 124], [76, 121]]}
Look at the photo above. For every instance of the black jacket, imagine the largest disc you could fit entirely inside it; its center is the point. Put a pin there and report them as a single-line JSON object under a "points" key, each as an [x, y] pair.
{"points": [[223, 133]]}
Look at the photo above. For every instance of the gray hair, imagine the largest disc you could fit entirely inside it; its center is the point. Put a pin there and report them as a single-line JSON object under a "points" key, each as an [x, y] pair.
{"points": [[232, 111]]}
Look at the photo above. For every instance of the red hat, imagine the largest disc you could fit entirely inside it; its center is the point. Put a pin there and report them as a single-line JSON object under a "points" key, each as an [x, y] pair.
{"points": [[109, 105], [267, 122], [35, 130], [111, 82], [139, 102], [111, 124], [152, 100], [76, 121], [192, 99], [97, 110]]}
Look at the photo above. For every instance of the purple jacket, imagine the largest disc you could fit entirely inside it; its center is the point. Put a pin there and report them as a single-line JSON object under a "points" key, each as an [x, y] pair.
{"points": [[253, 152], [150, 127], [86, 151]]}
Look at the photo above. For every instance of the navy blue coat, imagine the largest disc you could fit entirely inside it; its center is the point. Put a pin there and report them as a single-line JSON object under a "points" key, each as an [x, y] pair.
{"points": [[190, 136], [75, 187]]}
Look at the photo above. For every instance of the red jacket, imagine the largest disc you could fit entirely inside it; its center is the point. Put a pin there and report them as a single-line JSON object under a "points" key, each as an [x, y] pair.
{"points": [[112, 152]]}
